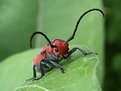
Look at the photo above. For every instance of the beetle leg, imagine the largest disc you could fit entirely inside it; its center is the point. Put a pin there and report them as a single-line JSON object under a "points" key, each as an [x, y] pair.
{"points": [[34, 74], [82, 51], [41, 71], [57, 65], [46, 65]]}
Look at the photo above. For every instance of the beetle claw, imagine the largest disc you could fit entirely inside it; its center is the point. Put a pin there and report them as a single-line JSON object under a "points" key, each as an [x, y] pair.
{"points": [[33, 78], [92, 52], [62, 70]]}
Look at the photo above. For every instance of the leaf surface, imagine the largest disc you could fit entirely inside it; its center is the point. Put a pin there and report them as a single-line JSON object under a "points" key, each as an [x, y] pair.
{"points": [[79, 74]]}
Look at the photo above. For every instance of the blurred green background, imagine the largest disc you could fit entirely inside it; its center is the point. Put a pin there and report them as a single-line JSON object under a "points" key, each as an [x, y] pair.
{"points": [[17, 22], [19, 19], [112, 81]]}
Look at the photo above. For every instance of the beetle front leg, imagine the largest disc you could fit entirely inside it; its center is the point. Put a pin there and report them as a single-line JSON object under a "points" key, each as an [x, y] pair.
{"points": [[34, 74], [82, 51], [57, 65], [41, 71]]}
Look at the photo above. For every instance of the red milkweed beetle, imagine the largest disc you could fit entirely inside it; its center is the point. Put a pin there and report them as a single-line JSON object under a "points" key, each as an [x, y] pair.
{"points": [[52, 53]]}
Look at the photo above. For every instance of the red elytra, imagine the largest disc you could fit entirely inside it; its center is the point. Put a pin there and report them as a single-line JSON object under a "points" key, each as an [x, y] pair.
{"points": [[38, 58]]}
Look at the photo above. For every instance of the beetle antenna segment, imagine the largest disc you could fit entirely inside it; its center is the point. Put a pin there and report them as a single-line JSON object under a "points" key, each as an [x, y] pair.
{"points": [[72, 37], [43, 35]]}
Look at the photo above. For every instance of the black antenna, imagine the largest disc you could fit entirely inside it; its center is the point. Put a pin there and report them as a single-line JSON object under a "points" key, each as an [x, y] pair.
{"points": [[72, 37], [43, 35]]}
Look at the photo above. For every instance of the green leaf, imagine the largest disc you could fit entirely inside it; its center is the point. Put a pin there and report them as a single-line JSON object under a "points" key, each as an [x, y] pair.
{"points": [[79, 74], [31, 88]]}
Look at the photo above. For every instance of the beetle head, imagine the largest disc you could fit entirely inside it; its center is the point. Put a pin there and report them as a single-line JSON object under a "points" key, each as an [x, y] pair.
{"points": [[61, 49]]}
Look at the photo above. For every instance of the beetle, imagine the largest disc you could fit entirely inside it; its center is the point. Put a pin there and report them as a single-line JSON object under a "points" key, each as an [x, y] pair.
{"points": [[53, 52]]}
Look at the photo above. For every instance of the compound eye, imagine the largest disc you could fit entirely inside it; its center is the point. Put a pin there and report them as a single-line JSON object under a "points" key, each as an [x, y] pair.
{"points": [[56, 50]]}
